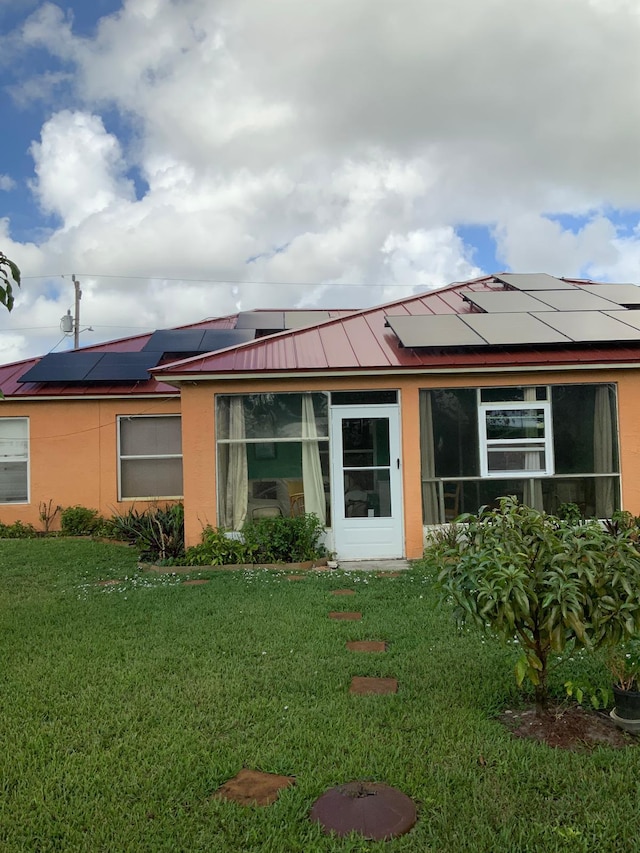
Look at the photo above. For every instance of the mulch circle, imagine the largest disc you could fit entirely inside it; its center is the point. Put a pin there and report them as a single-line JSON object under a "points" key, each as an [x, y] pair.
{"points": [[372, 809], [365, 686], [345, 615], [343, 592], [195, 582], [253, 788], [567, 727], [367, 646]]}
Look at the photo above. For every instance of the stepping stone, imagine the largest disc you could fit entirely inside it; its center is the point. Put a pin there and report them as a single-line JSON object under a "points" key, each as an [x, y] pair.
{"points": [[294, 577], [345, 615], [343, 592], [195, 582], [363, 686], [366, 646], [372, 809], [253, 788]]}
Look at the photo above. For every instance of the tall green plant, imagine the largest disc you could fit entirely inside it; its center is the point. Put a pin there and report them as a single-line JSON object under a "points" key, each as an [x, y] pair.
{"points": [[157, 533], [519, 573]]}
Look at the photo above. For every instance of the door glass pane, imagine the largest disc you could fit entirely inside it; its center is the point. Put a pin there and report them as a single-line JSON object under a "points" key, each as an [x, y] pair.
{"points": [[367, 493], [365, 442]]}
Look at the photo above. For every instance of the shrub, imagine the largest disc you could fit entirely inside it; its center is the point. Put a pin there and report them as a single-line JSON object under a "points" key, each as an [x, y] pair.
{"points": [[266, 540], [17, 530], [157, 533], [79, 521], [522, 574]]}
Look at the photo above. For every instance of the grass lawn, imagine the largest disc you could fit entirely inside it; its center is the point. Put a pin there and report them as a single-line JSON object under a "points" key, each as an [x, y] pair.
{"points": [[123, 707]]}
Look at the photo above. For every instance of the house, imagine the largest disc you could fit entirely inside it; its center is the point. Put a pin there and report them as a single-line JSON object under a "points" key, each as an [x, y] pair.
{"points": [[382, 421]]}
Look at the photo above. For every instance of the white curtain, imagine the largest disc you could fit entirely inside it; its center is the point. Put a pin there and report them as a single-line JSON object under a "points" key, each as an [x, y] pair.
{"points": [[430, 508], [532, 463], [603, 451], [232, 468], [312, 482]]}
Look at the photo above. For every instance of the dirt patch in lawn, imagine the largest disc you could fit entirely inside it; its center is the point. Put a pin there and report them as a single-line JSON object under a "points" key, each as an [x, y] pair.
{"points": [[563, 727], [253, 788]]}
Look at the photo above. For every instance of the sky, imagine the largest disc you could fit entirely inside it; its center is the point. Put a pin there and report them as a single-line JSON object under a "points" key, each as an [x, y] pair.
{"points": [[191, 158]]}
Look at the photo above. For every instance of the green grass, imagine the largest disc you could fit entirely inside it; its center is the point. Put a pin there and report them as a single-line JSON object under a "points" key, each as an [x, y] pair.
{"points": [[122, 708]]}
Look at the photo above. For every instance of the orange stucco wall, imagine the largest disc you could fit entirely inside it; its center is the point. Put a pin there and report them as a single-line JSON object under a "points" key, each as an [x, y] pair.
{"points": [[73, 447], [73, 452]]}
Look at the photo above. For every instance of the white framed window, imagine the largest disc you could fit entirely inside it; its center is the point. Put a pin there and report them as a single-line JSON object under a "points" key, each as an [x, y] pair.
{"points": [[515, 439], [14, 460], [149, 457]]}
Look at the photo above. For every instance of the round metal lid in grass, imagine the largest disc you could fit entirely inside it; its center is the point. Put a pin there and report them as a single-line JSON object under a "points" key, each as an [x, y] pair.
{"points": [[373, 809]]}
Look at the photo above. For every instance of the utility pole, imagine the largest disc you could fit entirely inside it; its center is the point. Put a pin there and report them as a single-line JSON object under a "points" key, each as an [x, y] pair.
{"points": [[76, 317]]}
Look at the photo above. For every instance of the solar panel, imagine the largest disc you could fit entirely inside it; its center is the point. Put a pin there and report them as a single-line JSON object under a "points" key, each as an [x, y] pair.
{"points": [[631, 318], [122, 367], [514, 329], [498, 301], [273, 320], [215, 339], [575, 299], [433, 330], [586, 326], [298, 319], [533, 281], [623, 294], [62, 367], [175, 340]]}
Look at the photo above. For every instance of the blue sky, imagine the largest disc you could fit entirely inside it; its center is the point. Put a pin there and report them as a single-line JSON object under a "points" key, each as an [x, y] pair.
{"points": [[187, 158]]}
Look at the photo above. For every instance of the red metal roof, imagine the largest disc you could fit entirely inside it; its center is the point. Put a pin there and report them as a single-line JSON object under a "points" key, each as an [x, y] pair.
{"points": [[360, 341]]}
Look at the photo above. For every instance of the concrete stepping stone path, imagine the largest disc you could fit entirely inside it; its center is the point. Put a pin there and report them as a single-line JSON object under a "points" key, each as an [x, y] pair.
{"points": [[365, 686]]}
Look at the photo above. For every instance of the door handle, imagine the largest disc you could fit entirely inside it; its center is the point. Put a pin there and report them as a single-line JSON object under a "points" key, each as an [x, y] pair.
{"points": [[398, 463]]}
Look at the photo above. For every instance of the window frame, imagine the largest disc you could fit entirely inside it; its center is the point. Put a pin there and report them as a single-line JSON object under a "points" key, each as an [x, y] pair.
{"points": [[26, 458], [533, 444], [149, 456]]}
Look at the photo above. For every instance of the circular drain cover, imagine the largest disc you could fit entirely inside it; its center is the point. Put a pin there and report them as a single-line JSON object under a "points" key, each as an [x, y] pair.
{"points": [[375, 810]]}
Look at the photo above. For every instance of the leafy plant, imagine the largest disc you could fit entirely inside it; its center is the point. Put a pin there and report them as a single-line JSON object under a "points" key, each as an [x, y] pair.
{"points": [[157, 533], [581, 689], [519, 573], [569, 512], [17, 530], [79, 521], [623, 661], [266, 540], [9, 275]]}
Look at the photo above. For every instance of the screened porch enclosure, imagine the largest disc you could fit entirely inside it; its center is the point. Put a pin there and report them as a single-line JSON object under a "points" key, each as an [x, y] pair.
{"points": [[272, 456], [547, 445]]}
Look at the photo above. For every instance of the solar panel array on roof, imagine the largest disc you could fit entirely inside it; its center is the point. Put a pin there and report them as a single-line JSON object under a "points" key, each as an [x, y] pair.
{"points": [[533, 281], [590, 326], [623, 294], [122, 367], [196, 341], [433, 330], [298, 319], [574, 300], [272, 320], [62, 367], [514, 329], [500, 301]]}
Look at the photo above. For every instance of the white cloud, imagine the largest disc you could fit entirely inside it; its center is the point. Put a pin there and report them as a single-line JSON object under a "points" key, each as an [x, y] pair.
{"points": [[6, 183], [331, 143]]}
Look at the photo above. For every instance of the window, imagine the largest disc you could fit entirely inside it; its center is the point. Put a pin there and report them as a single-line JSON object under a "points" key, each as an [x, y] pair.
{"points": [[273, 456], [14, 460], [548, 445], [515, 439], [150, 450]]}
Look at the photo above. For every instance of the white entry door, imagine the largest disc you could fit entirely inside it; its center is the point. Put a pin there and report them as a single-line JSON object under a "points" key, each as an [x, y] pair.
{"points": [[367, 482]]}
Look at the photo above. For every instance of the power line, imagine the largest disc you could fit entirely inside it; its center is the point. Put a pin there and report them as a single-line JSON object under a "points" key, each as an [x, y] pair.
{"points": [[227, 280]]}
